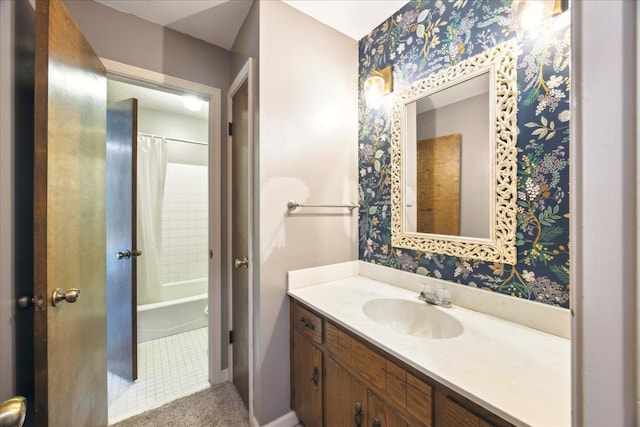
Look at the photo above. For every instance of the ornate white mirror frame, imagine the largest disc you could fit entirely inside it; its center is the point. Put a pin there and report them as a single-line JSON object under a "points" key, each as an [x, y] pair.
{"points": [[500, 62]]}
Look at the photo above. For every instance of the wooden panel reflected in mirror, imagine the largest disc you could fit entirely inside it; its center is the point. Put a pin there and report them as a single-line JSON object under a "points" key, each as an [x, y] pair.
{"points": [[438, 185]]}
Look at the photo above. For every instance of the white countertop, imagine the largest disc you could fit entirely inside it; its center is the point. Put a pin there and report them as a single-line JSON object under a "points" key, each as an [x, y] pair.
{"points": [[518, 373]]}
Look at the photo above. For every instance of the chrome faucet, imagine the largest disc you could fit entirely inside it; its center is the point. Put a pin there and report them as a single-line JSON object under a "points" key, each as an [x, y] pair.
{"points": [[440, 297]]}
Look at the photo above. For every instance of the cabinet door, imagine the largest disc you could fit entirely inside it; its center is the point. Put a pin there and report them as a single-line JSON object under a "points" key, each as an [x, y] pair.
{"points": [[381, 415], [345, 398], [307, 381], [455, 415]]}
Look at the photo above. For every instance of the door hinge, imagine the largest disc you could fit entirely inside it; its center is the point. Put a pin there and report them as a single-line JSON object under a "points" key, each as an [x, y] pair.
{"points": [[230, 129], [230, 337]]}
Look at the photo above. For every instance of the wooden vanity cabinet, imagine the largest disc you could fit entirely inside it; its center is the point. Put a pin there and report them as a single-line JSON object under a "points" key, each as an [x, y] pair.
{"points": [[307, 383], [362, 386], [349, 403]]}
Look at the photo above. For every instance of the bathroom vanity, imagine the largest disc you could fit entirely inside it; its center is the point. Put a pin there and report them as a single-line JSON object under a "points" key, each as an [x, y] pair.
{"points": [[362, 356]]}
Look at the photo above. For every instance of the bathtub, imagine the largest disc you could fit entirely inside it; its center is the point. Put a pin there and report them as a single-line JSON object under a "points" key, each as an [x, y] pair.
{"points": [[166, 318], [185, 288]]}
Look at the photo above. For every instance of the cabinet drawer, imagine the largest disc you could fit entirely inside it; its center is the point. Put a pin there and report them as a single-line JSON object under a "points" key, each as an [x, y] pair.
{"points": [[331, 338], [308, 323], [370, 365], [419, 399], [396, 384], [337, 343], [457, 416]]}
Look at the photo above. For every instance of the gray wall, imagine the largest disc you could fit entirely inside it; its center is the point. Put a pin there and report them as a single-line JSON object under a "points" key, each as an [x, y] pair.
{"points": [[247, 43], [130, 40], [308, 152]]}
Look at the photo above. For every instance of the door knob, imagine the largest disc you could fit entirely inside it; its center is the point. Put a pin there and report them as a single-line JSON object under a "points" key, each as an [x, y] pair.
{"points": [[244, 262], [13, 411], [129, 254], [25, 301], [125, 255], [70, 296]]}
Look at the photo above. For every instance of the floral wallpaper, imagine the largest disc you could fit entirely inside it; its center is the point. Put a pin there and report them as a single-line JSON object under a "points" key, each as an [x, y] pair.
{"points": [[425, 37]]}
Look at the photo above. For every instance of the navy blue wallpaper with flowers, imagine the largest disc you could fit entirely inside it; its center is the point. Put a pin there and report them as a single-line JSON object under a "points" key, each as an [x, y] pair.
{"points": [[425, 37]]}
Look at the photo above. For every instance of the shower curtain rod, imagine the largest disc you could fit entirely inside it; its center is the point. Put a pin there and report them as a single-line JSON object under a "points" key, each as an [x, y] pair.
{"points": [[173, 139]]}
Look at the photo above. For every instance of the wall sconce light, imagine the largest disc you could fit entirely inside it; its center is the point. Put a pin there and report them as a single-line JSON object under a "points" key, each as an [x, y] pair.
{"points": [[378, 85], [529, 13]]}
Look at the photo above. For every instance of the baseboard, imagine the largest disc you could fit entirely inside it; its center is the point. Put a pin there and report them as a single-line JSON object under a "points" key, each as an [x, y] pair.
{"points": [[290, 419]]}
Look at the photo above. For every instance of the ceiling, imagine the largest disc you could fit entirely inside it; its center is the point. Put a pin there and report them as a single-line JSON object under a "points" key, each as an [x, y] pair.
{"points": [[218, 21], [354, 18], [153, 99]]}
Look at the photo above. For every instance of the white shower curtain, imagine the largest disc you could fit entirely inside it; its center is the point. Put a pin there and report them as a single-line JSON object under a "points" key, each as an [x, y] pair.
{"points": [[152, 170]]}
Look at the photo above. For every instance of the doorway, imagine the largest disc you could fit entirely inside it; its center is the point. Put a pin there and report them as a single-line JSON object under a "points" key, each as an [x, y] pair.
{"points": [[177, 226]]}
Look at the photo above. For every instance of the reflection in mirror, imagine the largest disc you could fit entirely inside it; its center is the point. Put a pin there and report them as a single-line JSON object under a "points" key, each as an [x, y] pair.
{"points": [[448, 159], [454, 160]]}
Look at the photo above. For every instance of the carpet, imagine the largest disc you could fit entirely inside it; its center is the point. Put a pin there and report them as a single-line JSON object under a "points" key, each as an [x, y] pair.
{"points": [[220, 405]]}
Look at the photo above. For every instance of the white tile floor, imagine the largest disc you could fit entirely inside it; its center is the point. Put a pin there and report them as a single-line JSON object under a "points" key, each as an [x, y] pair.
{"points": [[168, 368]]}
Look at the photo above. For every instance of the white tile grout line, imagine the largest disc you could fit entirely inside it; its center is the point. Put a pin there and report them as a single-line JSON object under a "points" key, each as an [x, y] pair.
{"points": [[168, 368]]}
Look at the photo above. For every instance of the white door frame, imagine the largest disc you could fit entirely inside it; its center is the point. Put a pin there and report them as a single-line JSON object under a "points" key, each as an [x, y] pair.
{"points": [[246, 73], [604, 218], [214, 95]]}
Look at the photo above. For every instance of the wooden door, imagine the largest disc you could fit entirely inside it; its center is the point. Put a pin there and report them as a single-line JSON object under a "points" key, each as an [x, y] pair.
{"points": [[240, 229], [345, 398], [69, 224], [307, 382], [438, 185], [121, 260]]}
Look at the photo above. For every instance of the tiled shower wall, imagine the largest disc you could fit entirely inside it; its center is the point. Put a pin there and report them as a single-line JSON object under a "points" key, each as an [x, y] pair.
{"points": [[184, 224]]}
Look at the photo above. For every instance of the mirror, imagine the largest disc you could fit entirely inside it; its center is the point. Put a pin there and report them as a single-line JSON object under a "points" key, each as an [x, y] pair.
{"points": [[447, 160], [454, 160]]}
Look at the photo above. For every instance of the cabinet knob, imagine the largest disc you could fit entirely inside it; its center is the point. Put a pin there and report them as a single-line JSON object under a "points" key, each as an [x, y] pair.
{"points": [[314, 376], [307, 323], [357, 417], [376, 423]]}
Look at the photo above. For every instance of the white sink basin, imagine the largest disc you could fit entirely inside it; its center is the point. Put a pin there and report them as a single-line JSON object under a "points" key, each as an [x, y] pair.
{"points": [[415, 318]]}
